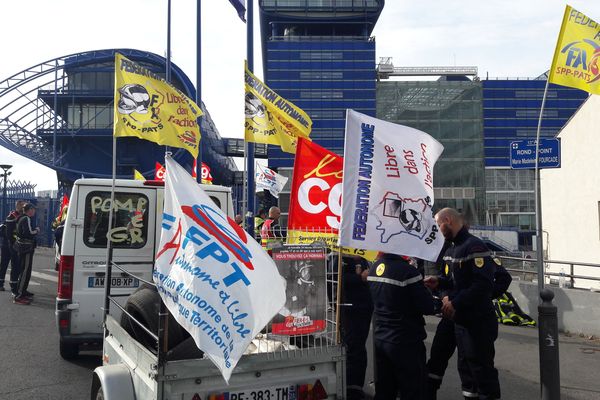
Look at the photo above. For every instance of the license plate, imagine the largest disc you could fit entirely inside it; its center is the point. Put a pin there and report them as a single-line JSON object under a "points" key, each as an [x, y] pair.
{"points": [[117, 282], [284, 392]]}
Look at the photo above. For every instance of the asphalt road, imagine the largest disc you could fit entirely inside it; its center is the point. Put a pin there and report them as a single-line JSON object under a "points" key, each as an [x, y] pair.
{"points": [[31, 367]]}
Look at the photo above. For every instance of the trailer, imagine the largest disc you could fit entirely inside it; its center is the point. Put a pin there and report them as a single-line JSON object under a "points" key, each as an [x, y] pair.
{"points": [[274, 367]]}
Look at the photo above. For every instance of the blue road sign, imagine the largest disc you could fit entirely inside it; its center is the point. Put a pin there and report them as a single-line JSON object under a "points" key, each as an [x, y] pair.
{"points": [[522, 153]]}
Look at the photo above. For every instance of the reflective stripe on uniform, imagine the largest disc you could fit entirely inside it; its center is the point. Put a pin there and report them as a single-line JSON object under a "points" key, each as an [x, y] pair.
{"points": [[434, 376], [469, 257], [470, 394], [403, 283]]}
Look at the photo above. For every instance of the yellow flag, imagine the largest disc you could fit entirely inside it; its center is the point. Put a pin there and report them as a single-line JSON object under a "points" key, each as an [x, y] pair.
{"points": [[575, 62], [149, 108], [137, 175], [272, 119]]}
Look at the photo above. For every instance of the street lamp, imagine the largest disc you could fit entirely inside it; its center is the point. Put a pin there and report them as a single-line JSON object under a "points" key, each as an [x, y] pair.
{"points": [[5, 168]]}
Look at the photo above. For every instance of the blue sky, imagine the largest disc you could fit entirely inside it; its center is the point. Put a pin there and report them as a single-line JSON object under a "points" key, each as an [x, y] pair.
{"points": [[502, 38]]}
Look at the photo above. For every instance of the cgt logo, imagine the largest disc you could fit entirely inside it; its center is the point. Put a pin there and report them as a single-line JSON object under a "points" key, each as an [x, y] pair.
{"points": [[313, 190]]}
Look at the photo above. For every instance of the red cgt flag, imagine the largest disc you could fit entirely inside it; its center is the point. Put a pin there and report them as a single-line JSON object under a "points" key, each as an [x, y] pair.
{"points": [[159, 172], [206, 176], [316, 197]]}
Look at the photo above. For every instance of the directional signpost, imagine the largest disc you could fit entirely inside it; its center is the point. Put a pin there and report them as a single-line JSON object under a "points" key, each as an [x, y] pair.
{"points": [[522, 153]]}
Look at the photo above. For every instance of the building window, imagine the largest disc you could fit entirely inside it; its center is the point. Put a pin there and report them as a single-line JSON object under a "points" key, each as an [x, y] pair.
{"points": [[320, 75], [319, 94], [89, 116], [323, 55], [130, 220]]}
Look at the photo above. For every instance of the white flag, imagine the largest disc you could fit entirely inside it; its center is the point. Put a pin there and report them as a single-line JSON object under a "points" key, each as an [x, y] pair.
{"points": [[388, 188], [268, 179], [218, 283]]}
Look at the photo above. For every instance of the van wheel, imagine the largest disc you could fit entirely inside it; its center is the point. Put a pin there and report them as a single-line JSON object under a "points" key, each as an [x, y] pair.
{"points": [[97, 393], [68, 351], [143, 305]]}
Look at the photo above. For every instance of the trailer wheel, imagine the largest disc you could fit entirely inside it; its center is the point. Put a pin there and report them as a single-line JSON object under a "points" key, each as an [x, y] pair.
{"points": [[144, 305], [99, 394], [68, 351]]}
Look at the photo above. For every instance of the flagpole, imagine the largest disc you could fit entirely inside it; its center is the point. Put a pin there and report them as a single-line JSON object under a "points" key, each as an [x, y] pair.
{"points": [[538, 198], [244, 207], [168, 64], [548, 340], [199, 85], [249, 147], [109, 248]]}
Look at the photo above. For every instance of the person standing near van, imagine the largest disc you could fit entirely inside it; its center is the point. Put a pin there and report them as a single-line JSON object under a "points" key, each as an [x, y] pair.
{"points": [[8, 254], [25, 246]]}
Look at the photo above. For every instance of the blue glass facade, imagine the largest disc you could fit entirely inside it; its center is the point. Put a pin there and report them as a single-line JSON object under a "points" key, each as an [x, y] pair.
{"points": [[511, 110], [324, 78], [320, 56]]}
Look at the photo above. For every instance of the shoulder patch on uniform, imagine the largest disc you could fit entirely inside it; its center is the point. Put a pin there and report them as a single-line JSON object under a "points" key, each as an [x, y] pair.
{"points": [[380, 269], [497, 261], [479, 262]]}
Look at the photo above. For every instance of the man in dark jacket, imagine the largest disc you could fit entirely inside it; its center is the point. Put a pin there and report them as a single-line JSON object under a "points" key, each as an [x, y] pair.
{"points": [[444, 341], [400, 300], [25, 246], [469, 304], [8, 254]]}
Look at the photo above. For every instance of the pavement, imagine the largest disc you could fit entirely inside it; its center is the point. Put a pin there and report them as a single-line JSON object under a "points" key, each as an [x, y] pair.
{"points": [[517, 361]]}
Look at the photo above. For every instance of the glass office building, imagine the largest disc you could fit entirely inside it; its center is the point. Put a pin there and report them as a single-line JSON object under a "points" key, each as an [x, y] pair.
{"points": [[451, 112], [320, 56], [511, 110]]}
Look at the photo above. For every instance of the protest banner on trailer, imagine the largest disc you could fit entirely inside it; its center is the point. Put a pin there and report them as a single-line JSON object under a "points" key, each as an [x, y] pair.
{"points": [[388, 188], [303, 268], [316, 198], [216, 280]]}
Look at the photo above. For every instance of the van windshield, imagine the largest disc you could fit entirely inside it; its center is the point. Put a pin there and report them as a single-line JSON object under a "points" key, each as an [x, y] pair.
{"points": [[130, 220]]}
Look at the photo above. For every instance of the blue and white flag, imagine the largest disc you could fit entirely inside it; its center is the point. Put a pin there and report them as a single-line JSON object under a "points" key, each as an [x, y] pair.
{"points": [[240, 6], [215, 279], [268, 179], [388, 188]]}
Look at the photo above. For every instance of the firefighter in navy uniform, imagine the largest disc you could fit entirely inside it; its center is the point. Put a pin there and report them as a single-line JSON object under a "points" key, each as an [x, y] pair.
{"points": [[444, 341], [400, 300], [469, 305]]}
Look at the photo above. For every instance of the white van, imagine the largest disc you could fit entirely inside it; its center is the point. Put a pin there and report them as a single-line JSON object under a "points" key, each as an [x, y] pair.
{"points": [[135, 235]]}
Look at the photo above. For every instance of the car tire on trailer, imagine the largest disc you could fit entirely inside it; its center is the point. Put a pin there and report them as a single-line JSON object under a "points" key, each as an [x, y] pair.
{"points": [[144, 305], [68, 351]]}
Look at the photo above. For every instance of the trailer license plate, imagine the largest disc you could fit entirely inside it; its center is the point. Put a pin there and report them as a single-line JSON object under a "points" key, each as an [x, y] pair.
{"points": [[270, 393], [122, 282]]}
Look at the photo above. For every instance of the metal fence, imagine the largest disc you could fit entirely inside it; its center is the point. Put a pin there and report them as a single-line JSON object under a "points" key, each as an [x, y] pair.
{"points": [[278, 346], [571, 274]]}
